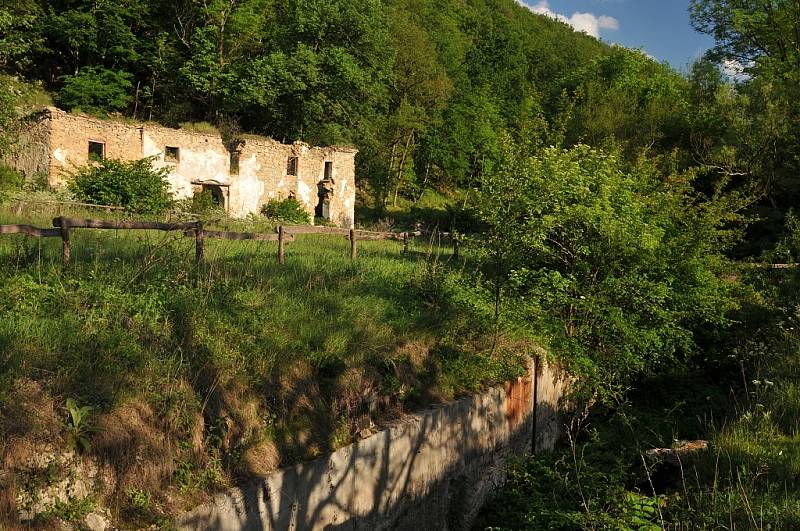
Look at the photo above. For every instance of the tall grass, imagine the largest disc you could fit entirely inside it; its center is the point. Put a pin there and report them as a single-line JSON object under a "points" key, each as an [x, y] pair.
{"points": [[238, 366]]}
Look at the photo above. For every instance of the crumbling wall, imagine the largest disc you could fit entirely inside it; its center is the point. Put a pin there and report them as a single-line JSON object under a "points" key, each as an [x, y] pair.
{"points": [[61, 145], [269, 160], [70, 135], [30, 154], [201, 158], [433, 470]]}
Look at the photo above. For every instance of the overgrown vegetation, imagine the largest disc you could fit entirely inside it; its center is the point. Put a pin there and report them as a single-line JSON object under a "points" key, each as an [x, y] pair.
{"points": [[198, 378], [134, 185], [288, 210], [608, 196], [742, 397]]}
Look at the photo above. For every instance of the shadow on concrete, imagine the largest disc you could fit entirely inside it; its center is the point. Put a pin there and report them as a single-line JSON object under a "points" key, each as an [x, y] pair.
{"points": [[434, 470]]}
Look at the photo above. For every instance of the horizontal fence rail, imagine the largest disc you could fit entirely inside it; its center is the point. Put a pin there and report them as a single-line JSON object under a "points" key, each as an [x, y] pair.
{"points": [[29, 230], [63, 226]]}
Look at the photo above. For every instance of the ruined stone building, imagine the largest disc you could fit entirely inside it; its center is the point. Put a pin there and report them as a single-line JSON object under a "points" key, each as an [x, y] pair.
{"points": [[241, 178]]}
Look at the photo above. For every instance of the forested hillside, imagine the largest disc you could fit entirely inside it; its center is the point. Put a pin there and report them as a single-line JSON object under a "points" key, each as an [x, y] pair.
{"points": [[423, 88]]}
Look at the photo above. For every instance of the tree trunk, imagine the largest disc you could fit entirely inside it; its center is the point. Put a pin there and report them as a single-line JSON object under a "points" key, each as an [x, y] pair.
{"points": [[402, 166]]}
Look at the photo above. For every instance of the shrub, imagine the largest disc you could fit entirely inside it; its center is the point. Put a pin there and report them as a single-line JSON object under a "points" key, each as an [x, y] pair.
{"points": [[134, 185], [290, 210], [96, 90], [10, 179], [203, 203]]}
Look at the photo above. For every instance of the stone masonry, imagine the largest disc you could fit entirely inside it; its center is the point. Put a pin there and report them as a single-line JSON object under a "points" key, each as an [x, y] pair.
{"points": [[241, 178]]}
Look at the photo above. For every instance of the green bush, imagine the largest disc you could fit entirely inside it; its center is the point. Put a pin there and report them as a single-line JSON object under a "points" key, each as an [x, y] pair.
{"points": [[201, 203], [96, 90], [290, 210], [134, 185], [10, 179]]}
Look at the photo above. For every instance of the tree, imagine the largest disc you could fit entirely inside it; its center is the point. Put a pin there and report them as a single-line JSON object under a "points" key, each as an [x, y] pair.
{"points": [[760, 35], [617, 266], [96, 90], [761, 39]]}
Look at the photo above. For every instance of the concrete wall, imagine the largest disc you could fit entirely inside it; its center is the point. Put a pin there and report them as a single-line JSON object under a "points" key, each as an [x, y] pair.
{"points": [[56, 143], [434, 470]]}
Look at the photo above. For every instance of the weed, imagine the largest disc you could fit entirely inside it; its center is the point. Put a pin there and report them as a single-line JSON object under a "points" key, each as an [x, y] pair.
{"points": [[79, 429], [72, 510]]}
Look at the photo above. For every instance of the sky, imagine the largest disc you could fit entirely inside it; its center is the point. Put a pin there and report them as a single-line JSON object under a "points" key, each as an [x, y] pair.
{"points": [[659, 27]]}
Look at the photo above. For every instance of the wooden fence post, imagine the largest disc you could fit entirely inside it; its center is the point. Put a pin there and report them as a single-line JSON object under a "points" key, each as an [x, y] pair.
{"points": [[456, 245], [405, 242], [353, 244], [281, 255], [199, 242], [64, 225]]}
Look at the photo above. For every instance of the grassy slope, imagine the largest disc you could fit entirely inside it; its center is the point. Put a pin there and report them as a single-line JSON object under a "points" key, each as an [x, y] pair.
{"points": [[198, 378]]}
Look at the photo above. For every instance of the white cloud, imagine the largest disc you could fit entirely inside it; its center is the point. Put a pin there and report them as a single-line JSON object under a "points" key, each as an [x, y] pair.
{"points": [[734, 69], [586, 22]]}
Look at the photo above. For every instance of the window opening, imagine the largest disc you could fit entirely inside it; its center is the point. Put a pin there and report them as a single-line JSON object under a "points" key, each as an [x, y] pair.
{"points": [[291, 166], [97, 150], [234, 163], [172, 154], [328, 171]]}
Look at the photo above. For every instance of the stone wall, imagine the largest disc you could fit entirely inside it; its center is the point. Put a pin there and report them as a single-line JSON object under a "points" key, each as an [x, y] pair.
{"points": [[434, 470], [30, 155], [57, 143]]}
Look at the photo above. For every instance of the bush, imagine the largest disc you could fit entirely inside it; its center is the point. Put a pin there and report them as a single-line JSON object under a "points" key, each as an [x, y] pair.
{"points": [[10, 179], [290, 210], [134, 185], [201, 203], [96, 90]]}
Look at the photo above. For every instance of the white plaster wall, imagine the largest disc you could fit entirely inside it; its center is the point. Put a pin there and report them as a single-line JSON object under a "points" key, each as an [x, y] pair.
{"points": [[200, 159], [204, 157], [248, 187]]}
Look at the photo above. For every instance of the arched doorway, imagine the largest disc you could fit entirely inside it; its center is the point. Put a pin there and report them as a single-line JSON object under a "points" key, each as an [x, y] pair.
{"points": [[217, 195], [324, 194]]}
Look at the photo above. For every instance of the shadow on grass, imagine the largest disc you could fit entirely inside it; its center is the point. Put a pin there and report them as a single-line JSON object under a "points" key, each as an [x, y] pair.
{"points": [[300, 354]]}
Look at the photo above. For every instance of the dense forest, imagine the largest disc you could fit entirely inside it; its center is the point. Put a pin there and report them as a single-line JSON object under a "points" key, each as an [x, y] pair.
{"points": [[618, 213], [424, 89]]}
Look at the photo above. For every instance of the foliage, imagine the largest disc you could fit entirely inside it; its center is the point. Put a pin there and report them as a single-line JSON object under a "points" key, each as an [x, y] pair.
{"points": [[79, 427], [619, 265], [96, 90], [10, 179], [201, 203], [289, 210], [243, 355], [134, 185], [747, 409]]}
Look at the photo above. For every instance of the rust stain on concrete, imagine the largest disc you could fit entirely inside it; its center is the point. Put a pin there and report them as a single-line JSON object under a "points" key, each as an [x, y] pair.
{"points": [[519, 398]]}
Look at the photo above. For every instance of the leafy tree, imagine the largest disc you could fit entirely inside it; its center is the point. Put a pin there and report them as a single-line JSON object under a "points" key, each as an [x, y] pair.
{"points": [[760, 35], [96, 90], [619, 265], [17, 37], [134, 185], [761, 149]]}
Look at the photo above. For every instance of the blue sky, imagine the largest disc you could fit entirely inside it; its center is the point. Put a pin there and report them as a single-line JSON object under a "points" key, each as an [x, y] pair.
{"points": [[660, 27]]}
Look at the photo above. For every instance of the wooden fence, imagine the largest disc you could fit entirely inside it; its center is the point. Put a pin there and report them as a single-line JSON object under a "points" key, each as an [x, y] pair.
{"points": [[63, 226]]}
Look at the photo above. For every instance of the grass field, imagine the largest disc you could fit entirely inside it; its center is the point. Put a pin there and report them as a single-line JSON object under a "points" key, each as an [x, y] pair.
{"points": [[199, 377]]}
